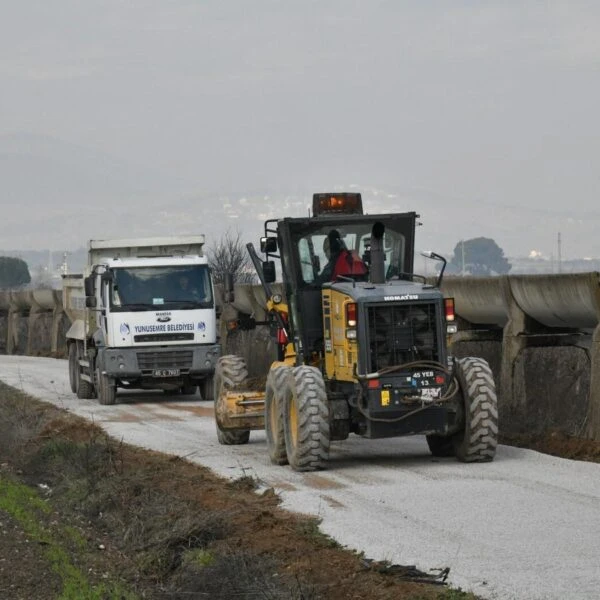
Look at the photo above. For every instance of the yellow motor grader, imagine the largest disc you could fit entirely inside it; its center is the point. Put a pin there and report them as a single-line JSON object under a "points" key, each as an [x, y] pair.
{"points": [[361, 345]]}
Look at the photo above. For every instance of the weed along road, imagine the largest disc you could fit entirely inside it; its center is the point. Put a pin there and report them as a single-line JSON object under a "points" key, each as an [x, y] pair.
{"points": [[526, 526]]}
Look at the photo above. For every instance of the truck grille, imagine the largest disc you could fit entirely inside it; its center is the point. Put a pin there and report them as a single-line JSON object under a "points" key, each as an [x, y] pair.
{"points": [[401, 333], [163, 337], [171, 359]]}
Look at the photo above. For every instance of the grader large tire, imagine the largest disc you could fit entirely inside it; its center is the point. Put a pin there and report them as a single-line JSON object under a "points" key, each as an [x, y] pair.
{"points": [[73, 368], [274, 406], [478, 439], [306, 419], [230, 372], [106, 389]]}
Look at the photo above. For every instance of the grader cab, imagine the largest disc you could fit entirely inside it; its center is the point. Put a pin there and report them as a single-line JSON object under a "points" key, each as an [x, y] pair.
{"points": [[361, 345]]}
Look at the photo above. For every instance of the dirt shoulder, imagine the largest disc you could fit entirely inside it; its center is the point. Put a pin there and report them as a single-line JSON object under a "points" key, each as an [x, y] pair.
{"points": [[84, 516]]}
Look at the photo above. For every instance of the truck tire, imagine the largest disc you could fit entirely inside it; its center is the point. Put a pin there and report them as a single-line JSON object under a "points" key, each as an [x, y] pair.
{"points": [[189, 389], [106, 389], [85, 389], [230, 372], [73, 368], [274, 402], [207, 388], [306, 419], [478, 439]]}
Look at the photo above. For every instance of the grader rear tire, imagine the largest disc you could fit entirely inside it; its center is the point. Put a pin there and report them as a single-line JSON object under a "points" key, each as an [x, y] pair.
{"points": [[230, 372], [306, 419], [274, 406], [478, 440]]}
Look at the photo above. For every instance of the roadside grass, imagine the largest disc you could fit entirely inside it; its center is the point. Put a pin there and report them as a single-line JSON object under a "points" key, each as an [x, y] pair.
{"points": [[25, 506], [120, 522]]}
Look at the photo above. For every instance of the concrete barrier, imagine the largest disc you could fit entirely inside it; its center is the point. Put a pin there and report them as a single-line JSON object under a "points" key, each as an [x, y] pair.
{"points": [[540, 334]]}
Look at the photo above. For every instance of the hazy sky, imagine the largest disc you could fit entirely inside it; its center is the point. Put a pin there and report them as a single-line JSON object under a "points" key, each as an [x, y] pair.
{"points": [[490, 110]]}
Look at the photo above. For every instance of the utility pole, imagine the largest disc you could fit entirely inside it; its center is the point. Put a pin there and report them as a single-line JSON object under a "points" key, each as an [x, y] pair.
{"points": [[462, 246], [559, 254]]}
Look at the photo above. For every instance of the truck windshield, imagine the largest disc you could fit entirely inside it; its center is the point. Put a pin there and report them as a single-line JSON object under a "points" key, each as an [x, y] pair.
{"points": [[158, 287]]}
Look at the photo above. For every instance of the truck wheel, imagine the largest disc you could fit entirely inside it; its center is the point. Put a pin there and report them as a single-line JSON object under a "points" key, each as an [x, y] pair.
{"points": [[230, 372], [189, 389], [440, 445], [73, 368], [207, 389], [106, 389], [85, 389], [274, 403], [306, 419], [478, 440]]}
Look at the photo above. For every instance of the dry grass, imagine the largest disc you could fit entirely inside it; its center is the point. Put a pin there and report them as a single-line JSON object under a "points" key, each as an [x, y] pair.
{"points": [[170, 529]]}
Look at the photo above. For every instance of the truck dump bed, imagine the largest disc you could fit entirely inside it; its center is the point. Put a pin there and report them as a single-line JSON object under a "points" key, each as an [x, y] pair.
{"points": [[154, 247]]}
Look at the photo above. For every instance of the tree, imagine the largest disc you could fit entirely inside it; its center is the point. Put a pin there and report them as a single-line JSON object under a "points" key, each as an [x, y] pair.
{"points": [[13, 272], [230, 255], [479, 256]]}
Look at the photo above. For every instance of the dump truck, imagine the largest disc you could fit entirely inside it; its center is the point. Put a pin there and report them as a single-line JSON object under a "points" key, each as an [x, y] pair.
{"points": [[362, 351], [143, 316]]}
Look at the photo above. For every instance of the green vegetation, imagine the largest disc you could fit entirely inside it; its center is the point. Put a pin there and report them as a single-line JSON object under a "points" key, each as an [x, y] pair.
{"points": [[13, 272], [25, 506], [478, 256]]}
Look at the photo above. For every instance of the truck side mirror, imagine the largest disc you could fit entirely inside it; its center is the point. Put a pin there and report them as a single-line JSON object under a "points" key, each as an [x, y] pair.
{"points": [[269, 271], [268, 244], [88, 285], [90, 302], [229, 295]]}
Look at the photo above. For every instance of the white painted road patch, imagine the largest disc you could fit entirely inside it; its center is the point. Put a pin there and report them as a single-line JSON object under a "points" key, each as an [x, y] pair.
{"points": [[526, 526]]}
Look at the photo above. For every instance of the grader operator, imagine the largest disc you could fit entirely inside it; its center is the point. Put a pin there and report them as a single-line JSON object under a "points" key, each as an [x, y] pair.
{"points": [[361, 345]]}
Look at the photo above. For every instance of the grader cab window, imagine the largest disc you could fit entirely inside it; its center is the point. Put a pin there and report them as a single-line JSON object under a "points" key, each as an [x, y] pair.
{"points": [[314, 251]]}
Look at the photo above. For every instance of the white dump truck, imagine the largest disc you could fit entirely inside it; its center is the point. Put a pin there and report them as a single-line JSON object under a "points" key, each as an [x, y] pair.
{"points": [[143, 317]]}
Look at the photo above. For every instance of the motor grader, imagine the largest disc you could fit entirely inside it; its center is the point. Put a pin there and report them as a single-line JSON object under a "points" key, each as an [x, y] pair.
{"points": [[364, 353]]}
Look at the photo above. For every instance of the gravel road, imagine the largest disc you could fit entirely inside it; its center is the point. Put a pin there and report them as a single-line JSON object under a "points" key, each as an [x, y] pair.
{"points": [[526, 526]]}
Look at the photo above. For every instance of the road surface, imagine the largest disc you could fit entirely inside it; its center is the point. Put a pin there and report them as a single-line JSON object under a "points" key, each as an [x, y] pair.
{"points": [[526, 526]]}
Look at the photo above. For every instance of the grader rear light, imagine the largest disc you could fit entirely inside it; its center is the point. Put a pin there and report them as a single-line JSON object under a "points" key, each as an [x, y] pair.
{"points": [[449, 308], [351, 321], [351, 314]]}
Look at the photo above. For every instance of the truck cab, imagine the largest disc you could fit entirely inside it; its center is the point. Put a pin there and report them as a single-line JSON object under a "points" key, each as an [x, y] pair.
{"points": [[149, 320]]}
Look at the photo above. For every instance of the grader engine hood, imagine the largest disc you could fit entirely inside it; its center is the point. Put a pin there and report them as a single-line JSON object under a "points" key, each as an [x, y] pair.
{"points": [[370, 327]]}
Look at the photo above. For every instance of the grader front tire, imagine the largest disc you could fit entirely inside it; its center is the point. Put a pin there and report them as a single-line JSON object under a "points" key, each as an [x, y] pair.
{"points": [[306, 419], [230, 372], [274, 417]]}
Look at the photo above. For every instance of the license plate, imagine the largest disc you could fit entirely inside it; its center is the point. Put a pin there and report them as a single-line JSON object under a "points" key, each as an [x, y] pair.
{"points": [[165, 373]]}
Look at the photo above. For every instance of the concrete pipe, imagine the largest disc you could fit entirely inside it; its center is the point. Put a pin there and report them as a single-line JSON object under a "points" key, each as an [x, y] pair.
{"points": [[45, 299], [561, 300], [479, 300]]}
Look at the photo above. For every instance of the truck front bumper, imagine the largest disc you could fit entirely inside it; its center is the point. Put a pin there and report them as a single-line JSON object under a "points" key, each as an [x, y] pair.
{"points": [[184, 361]]}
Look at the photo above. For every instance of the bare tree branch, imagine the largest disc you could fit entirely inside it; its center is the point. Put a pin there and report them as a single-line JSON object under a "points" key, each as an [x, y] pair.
{"points": [[229, 255]]}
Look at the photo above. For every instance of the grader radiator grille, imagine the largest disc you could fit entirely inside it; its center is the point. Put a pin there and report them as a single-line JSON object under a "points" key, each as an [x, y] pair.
{"points": [[401, 333]]}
